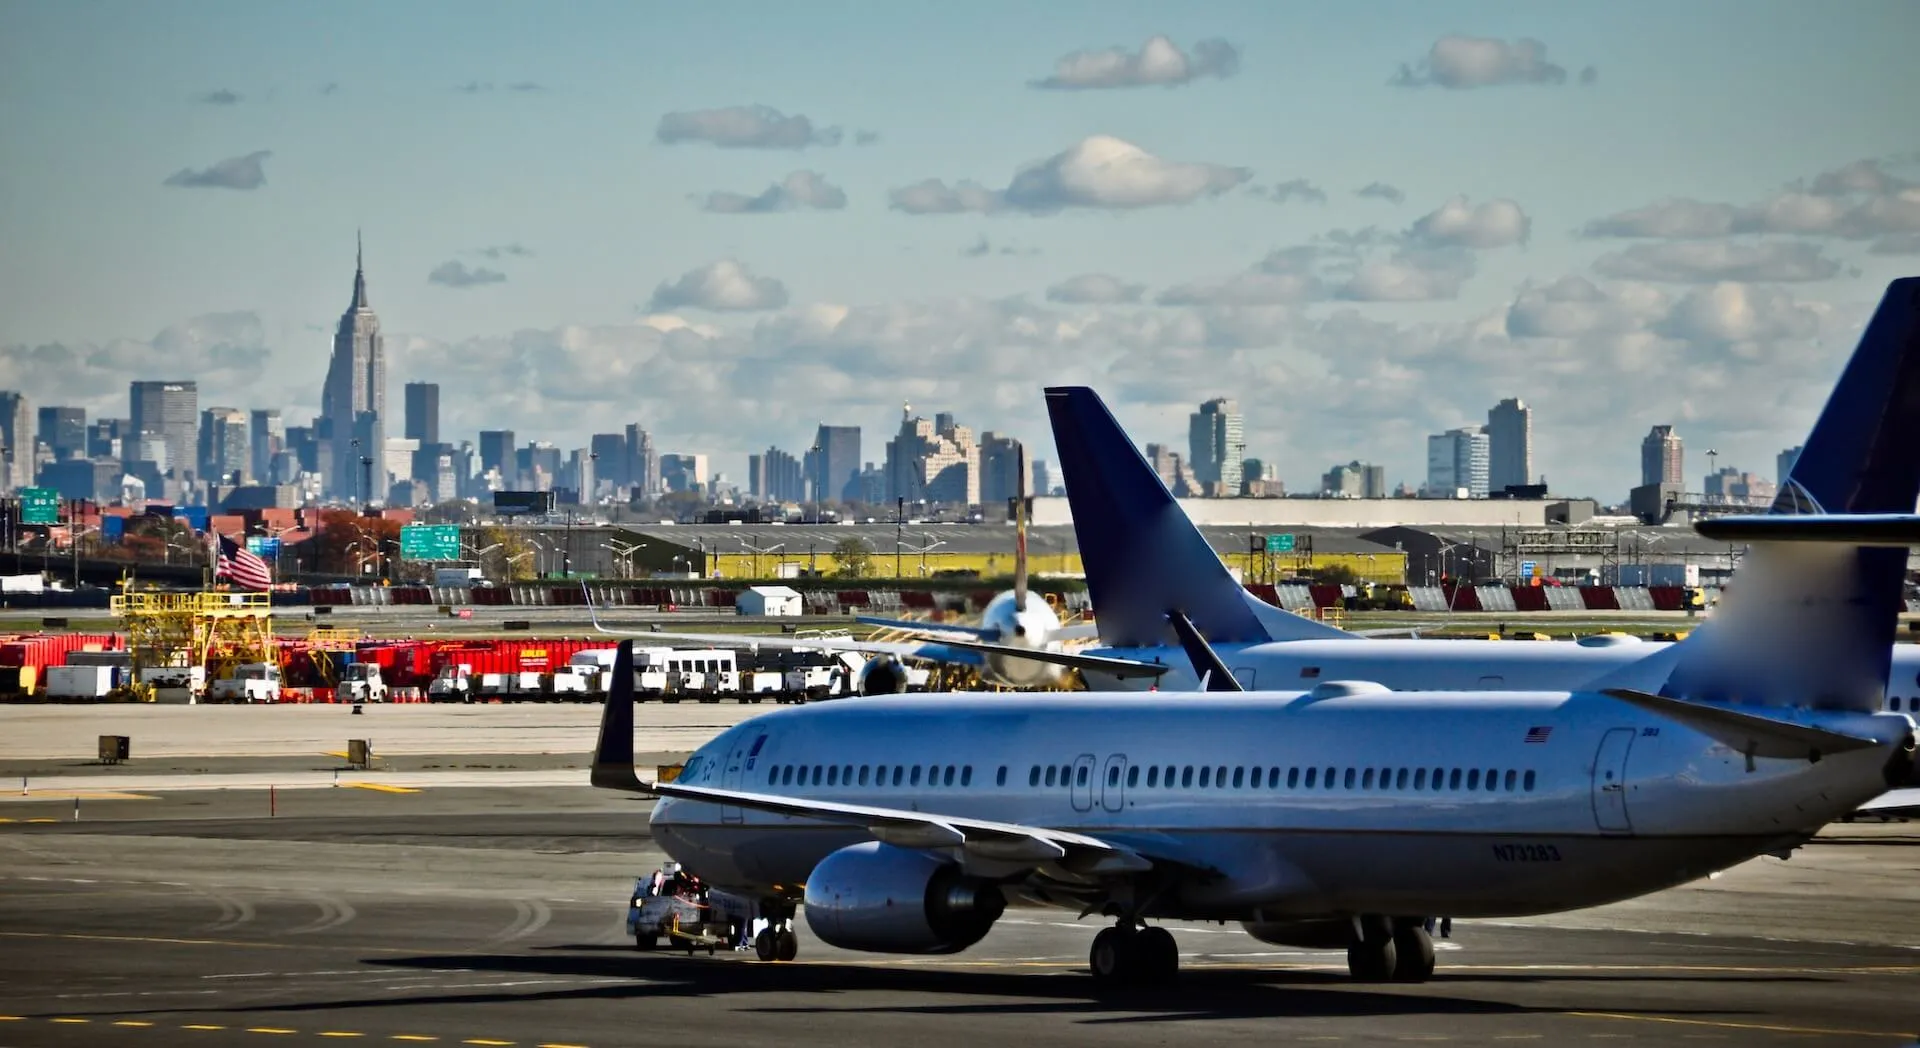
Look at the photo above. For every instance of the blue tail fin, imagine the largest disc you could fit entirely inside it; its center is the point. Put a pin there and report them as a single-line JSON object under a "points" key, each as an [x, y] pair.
{"points": [[1812, 624], [1142, 555]]}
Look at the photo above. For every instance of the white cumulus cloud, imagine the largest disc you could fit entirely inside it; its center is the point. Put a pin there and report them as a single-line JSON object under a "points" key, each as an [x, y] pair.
{"points": [[1457, 223], [1095, 289], [723, 286], [1159, 62], [1474, 61], [800, 189], [744, 127], [1099, 172], [1712, 261]]}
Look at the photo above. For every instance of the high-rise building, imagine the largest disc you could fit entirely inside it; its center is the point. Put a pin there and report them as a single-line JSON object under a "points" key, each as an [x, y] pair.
{"points": [[683, 472], [610, 459], [1783, 464], [580, 475], [1215, 445], [16, 428], [539, 465], [105, 437], [170, 413], [926, 463], [64, 432], [775, 476], [1355, 480], [354, 400], [1457, 462], [423, 412], [225, 447], [1042, 478], [1171, 468], [1509, 445], [643, 462], [833, 464], [1662, 458], [1000, 463], [268, 436], [497, 453]]}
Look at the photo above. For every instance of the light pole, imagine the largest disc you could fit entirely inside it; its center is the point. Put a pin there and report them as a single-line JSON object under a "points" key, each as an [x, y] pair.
{"points": [[1713, 458], [73, 540], [756, 550], [623, 551], [522, 555], [922, 550], [355, 442]]}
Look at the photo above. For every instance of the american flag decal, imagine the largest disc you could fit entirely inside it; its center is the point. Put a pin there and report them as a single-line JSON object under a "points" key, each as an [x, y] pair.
{"points": [[241, 565], [1538, 734]]}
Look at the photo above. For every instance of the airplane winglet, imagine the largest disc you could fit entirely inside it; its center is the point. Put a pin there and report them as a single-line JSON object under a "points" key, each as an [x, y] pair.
{"points": [[1753, 734], [613, 752], [1214, 674]]}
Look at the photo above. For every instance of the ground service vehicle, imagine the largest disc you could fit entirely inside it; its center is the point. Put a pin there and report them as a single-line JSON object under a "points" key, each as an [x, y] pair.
{"points": [[250, 682], [361, 682]]}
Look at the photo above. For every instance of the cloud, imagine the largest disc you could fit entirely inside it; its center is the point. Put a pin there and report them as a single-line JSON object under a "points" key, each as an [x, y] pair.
{"points": [[1456, 223], [1298, 188], [226, 353], [1574, 306], [865, 138], [1099, 172], [723, 286], [1410, 275], [1381, 191], [1859, 201], [330, 87], [1896, 244], [1473, 61], [1673, 219], [1095, 289], [1732, 312], [526, 86], [1589, 76], [238, 172], [474, 87], [221, 97], [514, 250], [744, 127], [456, 274], [1712, 261], [801, 189], [1159, 63]]}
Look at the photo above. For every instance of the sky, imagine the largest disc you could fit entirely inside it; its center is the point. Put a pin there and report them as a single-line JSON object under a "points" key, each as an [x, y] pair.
{"points": [[729, 223]]}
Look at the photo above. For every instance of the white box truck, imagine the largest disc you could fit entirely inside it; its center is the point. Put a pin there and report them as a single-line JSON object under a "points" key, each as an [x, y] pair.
{"points": [[79, 682]]}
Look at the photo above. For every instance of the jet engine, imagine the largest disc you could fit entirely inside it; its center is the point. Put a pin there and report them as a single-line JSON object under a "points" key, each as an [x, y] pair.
{"points": [[1323, 934], [883, 675], [884, 899]]}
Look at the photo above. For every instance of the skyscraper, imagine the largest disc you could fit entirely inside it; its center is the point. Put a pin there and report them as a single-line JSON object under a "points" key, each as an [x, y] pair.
{"points": [[224, 445], [423, 412], [269, 438], [1662, 458], [1456, 461], [1783, 464], [354, 400], [1215, 445], [16, 428], [167, 412], [643, 462], [64, 431], [775, 476], [1000, 462], [496, 452], [1509, 445], [834, 464], [933, 464], [610, 462]]}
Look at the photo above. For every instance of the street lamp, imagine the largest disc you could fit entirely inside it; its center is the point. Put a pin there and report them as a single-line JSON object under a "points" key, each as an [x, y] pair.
{"points": [[623, 551], [522, 555], [73, 541], [757, 550], [922, 550]]}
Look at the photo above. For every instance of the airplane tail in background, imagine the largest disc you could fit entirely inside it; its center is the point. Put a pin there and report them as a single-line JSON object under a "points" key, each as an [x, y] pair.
{"points": [[1143, 557], [1809, 619]]}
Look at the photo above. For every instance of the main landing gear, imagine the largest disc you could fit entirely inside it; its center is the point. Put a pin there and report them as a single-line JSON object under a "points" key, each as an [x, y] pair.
{"points": [[777, 942], [1128, 955], [1390, 951]]}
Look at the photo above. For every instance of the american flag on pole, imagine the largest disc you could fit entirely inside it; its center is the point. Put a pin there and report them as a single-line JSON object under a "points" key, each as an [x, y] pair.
{"points": [[241, 566]]}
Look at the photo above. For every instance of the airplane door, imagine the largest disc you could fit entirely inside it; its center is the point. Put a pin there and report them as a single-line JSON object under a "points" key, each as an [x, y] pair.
{"points": [[1610, 781], [1083, 782], [738, 761], [1113, 783]]}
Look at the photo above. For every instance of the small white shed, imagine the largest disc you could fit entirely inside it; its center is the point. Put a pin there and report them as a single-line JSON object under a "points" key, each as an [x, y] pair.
{"points": [[768, 600]]}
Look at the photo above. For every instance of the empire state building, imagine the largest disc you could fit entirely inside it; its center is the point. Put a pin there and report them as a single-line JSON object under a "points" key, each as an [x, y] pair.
{"points": [[354, 402]]}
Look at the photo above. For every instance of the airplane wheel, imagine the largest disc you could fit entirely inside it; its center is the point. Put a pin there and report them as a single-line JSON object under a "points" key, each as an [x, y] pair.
{"points": [[1159, 955], [1371, 960], [766, 945], [788, 946], [1413, 955], [1114, 957]]}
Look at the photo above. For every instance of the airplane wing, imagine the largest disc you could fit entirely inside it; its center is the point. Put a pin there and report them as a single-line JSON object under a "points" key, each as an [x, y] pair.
{"points": [[964, 651], [980, 838], [930, 629], [1895, 803]]}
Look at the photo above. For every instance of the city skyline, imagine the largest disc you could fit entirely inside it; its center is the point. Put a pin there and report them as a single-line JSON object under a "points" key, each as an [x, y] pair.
{"points": [[777, 233]]}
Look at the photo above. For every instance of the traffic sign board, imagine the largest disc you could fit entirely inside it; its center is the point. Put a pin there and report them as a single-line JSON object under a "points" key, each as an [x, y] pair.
{"points": [[39, 506], [263, 546], [1279, 543], [1526, 569], [430, 542]]}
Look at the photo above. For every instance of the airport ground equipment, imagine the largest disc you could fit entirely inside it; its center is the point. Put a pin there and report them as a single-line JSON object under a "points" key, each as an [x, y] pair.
{"points": [[214, 632]]}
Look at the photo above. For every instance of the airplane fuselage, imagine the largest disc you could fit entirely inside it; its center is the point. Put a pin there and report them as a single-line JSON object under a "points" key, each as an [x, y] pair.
{"points": [[1288, 807], [1031, 627]]}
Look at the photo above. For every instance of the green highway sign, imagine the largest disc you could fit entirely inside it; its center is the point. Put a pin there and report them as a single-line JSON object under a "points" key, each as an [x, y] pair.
{"points": [[430, 542], [1279, 543], [39, 506]]}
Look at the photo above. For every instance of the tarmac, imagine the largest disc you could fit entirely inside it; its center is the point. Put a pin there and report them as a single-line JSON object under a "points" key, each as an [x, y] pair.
{"points": [[492, 916]]}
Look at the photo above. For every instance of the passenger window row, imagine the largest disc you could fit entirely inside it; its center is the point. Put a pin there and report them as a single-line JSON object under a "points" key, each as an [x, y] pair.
{"points": [[876, 775]]}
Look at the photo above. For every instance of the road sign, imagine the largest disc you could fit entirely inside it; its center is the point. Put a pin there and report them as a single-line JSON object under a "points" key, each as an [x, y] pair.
{"points": [[1526, 569], [1279, 543], [430, 542], [263, 546], [39, 506]]}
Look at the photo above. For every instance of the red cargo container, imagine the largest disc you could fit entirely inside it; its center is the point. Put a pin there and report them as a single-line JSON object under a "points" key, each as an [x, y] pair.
{"points": [[509, 656]]}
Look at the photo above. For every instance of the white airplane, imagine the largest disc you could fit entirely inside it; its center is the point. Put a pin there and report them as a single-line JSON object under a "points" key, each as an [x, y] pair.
{"points": [[1344, 815]]}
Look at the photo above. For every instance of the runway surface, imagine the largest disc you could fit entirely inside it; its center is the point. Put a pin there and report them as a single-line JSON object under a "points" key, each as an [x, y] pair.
{"points": [[492, 917]]}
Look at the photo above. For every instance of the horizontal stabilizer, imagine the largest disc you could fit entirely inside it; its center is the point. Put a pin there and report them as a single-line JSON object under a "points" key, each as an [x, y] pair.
{"points": [[930, 629], [1214, 674], [1857, 529], [1753, 734]]}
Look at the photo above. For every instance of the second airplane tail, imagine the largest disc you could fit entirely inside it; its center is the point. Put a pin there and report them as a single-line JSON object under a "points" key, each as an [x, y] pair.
{"points": [[1143, 557]]}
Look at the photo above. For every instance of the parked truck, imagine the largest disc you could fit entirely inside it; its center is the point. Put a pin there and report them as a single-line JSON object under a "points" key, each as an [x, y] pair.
{"points": [[361, 682], [250, 682], [458, 577], [80, 682]]}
